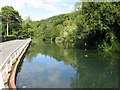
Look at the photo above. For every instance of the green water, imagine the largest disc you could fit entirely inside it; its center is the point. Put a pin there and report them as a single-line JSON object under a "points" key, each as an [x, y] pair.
{"points": [[53, 66]]}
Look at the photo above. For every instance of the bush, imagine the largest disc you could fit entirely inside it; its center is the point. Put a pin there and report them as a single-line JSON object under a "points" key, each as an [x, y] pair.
{"points": [[114, 47], [7, 38], [11, 37], [59, 40], [0, 39]]}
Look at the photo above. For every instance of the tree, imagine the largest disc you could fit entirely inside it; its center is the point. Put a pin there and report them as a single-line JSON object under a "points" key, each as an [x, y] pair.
{"points": [[28, 29], [98, 23], [11, 20]]}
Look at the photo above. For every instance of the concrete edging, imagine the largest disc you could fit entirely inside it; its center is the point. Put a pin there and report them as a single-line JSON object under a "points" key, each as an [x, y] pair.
{"points": [[11, 82]]}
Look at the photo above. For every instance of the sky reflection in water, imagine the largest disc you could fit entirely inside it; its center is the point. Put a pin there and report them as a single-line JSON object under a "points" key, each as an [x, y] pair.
{"points": [[45, 71], [51, 66]]}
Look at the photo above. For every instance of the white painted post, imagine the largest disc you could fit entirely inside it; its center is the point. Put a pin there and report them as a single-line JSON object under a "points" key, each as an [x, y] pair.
{"points": [[20, 49], [6, 68], [14, 55], [17, 53], [11, 61], [1, 81]]}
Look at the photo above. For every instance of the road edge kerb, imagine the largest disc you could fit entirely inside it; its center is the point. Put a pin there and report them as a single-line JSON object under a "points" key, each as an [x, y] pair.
{"points": [[12, 79]]}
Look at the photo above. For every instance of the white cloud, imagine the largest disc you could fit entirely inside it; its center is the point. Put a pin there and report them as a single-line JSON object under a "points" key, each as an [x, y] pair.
{"points": [[35, 3], [17, 4], [64, 4], [50, 5], [71, 6], [35, 18], [47, 4]]}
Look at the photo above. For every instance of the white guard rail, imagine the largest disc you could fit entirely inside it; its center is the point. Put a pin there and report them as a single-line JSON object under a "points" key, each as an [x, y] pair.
{"points": [[9, 60]]}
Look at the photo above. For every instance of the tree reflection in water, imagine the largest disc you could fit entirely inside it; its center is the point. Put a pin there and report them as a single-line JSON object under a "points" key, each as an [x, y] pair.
{"points": [[97, 70]]}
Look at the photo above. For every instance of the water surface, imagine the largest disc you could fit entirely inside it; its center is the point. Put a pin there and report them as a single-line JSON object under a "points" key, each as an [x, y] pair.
{"points": [[53, 66]]}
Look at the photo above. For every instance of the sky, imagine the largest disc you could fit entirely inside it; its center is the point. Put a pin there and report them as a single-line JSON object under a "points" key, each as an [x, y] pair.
{"points": [[40, 9]]}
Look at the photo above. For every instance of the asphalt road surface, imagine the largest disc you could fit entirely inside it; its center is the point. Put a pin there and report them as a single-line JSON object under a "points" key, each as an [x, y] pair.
{"points": [[6, 48]]}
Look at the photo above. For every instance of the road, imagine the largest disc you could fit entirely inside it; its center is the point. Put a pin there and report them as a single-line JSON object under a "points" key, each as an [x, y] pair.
{"points": [[6, 48]]}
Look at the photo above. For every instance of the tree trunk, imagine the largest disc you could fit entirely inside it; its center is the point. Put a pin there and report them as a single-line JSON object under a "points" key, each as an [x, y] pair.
{"points": [[7, 28]]}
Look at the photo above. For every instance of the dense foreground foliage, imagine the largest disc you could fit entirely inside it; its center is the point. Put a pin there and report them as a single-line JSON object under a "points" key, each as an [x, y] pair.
{"points": [[94, 25], [91, 25]]}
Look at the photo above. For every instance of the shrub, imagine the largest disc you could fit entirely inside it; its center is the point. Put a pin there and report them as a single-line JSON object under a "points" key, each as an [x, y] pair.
{"points": [[7, 38]]}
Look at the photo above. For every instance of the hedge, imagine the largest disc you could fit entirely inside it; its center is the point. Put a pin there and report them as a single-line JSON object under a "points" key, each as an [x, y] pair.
{"points": [[7, 38]]}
